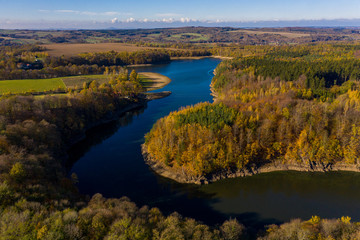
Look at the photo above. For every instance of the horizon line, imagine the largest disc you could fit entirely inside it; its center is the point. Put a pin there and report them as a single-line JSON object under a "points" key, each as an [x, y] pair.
{"points": [[154, 24]]}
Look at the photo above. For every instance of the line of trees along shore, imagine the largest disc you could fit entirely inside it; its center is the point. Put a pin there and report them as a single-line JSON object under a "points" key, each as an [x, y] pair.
{"points": [[32, 62]]}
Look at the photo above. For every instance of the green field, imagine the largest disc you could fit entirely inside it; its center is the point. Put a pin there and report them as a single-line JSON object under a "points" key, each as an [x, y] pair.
{"points": [[192, 37], [30, 85], [44, 85], [72, 82]]}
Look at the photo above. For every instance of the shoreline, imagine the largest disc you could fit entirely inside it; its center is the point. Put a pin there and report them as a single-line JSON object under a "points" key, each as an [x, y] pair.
{"points": [[159, 80], [179, 58], [113, 116], [181, 176], [154, 81], [141, 102], [199, 57], [140, 65]]}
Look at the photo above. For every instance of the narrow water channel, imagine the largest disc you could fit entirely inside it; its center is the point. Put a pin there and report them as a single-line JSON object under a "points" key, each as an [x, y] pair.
{"points": [[109, 162]]}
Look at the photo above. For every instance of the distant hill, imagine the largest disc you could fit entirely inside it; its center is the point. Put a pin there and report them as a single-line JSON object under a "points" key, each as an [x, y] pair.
{"points": [[192, 35]]}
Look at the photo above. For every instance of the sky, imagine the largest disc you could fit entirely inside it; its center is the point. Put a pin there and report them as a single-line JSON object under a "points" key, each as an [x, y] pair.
{"points": [[161, 13]]}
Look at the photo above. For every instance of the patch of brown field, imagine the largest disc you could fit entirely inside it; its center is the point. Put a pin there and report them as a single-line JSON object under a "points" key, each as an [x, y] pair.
{"points": [[7, 38], [285, 34], [68, 50]]}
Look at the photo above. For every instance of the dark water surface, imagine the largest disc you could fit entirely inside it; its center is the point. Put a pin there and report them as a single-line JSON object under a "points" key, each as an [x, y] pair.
{"points": [[109, 162]]}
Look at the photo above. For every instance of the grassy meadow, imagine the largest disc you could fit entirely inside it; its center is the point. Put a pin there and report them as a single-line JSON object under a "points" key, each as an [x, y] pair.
{"points": [[150, 81], [78, 81], [30, 85], [46, 85], [192, 37]]}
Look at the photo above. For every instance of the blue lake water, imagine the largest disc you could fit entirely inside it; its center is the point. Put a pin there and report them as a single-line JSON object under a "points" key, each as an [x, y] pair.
{"points": [[109, 161]]}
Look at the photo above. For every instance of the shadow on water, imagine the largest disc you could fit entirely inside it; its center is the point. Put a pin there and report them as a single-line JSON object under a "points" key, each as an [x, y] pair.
{"points": [[197, 202], [98, 134]]}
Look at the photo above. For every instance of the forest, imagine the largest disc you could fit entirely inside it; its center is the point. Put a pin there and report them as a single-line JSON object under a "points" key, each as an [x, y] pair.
{"points": [[294, 107]]}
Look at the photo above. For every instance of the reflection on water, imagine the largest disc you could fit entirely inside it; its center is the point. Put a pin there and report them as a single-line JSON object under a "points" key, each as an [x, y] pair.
{"points": [[98, 134], [109, 161], [287, 195]]}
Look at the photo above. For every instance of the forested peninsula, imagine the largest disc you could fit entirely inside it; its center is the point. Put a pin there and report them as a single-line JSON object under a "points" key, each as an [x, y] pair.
{"points": [[293, 108]]}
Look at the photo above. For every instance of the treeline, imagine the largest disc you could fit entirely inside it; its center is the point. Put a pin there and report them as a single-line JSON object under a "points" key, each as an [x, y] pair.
{"points": [[108, 219], [311, 51], [91, 63], [23, 62], [319, 73], [315, 228], [140, 57], [120, 58], [260, 120]]}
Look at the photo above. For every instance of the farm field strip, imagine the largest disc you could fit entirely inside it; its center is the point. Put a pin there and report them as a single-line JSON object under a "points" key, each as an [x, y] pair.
{"points": [[150, 81], [43, 85], [285, 34], [30, 85]]}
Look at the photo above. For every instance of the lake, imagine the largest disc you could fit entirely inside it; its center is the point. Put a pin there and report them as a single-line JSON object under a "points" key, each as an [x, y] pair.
{"points": [[109, 161]]}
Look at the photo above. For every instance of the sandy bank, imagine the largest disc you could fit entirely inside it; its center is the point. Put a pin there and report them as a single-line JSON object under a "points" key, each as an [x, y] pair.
{"points": [[153, 81], [189, 58]]}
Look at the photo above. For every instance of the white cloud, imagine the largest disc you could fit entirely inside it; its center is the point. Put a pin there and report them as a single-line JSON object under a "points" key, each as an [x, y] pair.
{"points": [[114, 20], [168, 20], [130, 20], [67, 11], [185, 20]]}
